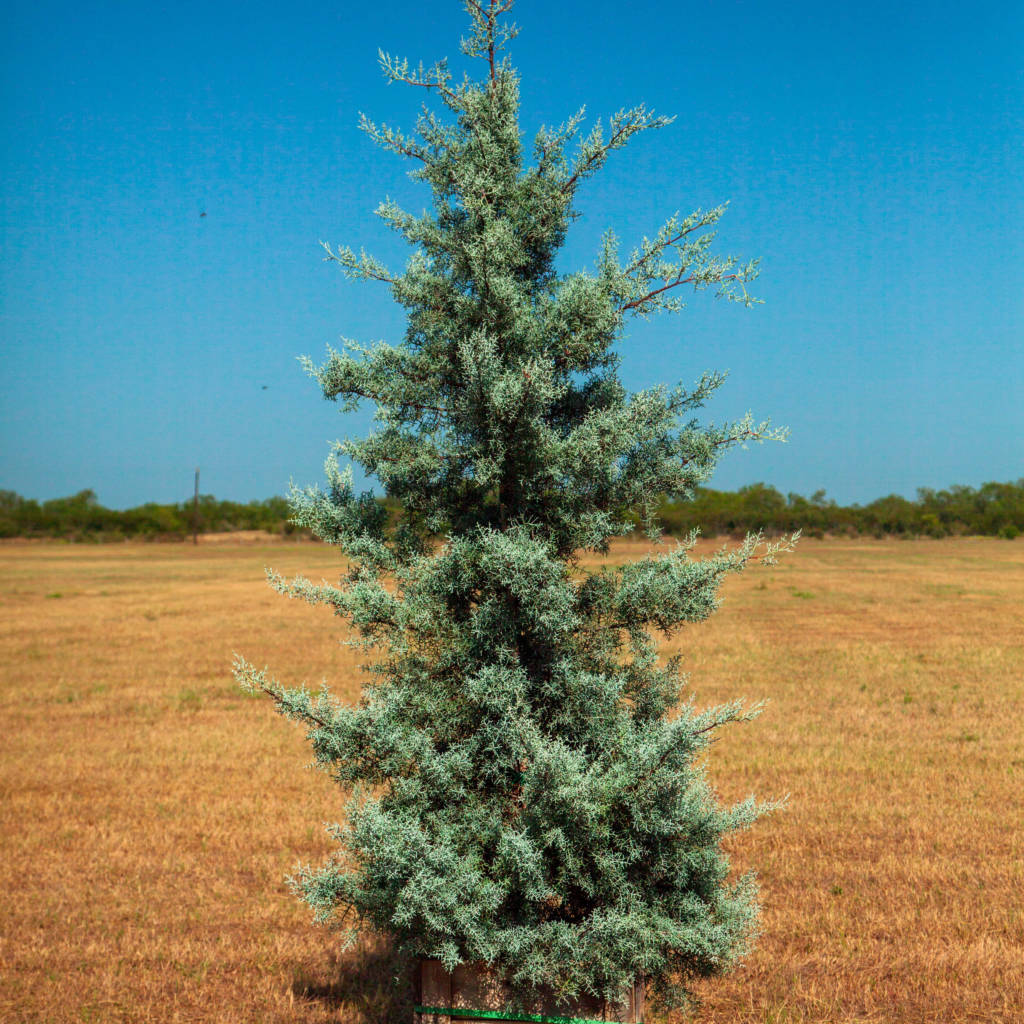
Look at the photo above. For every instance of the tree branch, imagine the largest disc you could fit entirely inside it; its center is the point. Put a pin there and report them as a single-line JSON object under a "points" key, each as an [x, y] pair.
{"points": [[662, 246], [381, 400], [673, 284], [594, 157]]}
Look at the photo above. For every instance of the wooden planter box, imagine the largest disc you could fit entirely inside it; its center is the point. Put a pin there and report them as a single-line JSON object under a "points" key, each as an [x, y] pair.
{"points": [[473, 993]]}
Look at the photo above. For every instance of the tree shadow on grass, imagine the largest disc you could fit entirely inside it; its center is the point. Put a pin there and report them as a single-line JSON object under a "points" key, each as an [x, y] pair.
{"points": [[372, 984]]}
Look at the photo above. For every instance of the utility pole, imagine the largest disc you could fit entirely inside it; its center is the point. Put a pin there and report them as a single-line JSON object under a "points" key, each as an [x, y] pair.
{"points": [[195, 511]]}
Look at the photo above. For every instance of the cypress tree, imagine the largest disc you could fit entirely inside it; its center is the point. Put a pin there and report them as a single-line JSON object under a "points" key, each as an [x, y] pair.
{"points": [[524, 776]]}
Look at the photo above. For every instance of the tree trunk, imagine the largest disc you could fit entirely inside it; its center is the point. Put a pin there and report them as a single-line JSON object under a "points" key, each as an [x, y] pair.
{"points": [[473, 992]]}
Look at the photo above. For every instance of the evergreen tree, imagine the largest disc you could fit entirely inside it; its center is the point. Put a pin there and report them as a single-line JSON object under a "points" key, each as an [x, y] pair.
{"points": [[525, 785]]}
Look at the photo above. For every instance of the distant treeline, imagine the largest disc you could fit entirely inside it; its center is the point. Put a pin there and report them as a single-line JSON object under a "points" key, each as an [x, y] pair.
{"points": [[993, 509], [82, 517]]}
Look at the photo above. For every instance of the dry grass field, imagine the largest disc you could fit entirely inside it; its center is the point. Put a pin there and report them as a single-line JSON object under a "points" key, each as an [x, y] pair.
{"points": [[150, 810]]}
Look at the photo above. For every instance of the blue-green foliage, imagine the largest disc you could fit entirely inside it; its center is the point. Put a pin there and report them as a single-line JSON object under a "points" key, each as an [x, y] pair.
{"points": [[526, 780]]}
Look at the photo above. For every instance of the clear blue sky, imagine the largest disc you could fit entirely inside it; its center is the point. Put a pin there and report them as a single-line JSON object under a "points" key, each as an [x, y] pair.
{"points": [[872, 154]]}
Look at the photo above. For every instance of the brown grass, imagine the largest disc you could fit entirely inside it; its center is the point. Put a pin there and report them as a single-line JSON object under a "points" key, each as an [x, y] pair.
{"points": [[150, 810]]}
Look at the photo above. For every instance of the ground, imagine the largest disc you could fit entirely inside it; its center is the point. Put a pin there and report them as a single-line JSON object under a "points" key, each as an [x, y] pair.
{"points": [[149, 810]]}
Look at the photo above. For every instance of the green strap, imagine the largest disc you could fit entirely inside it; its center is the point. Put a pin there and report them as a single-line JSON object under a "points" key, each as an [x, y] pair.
{"points": [[459, 1011]]}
